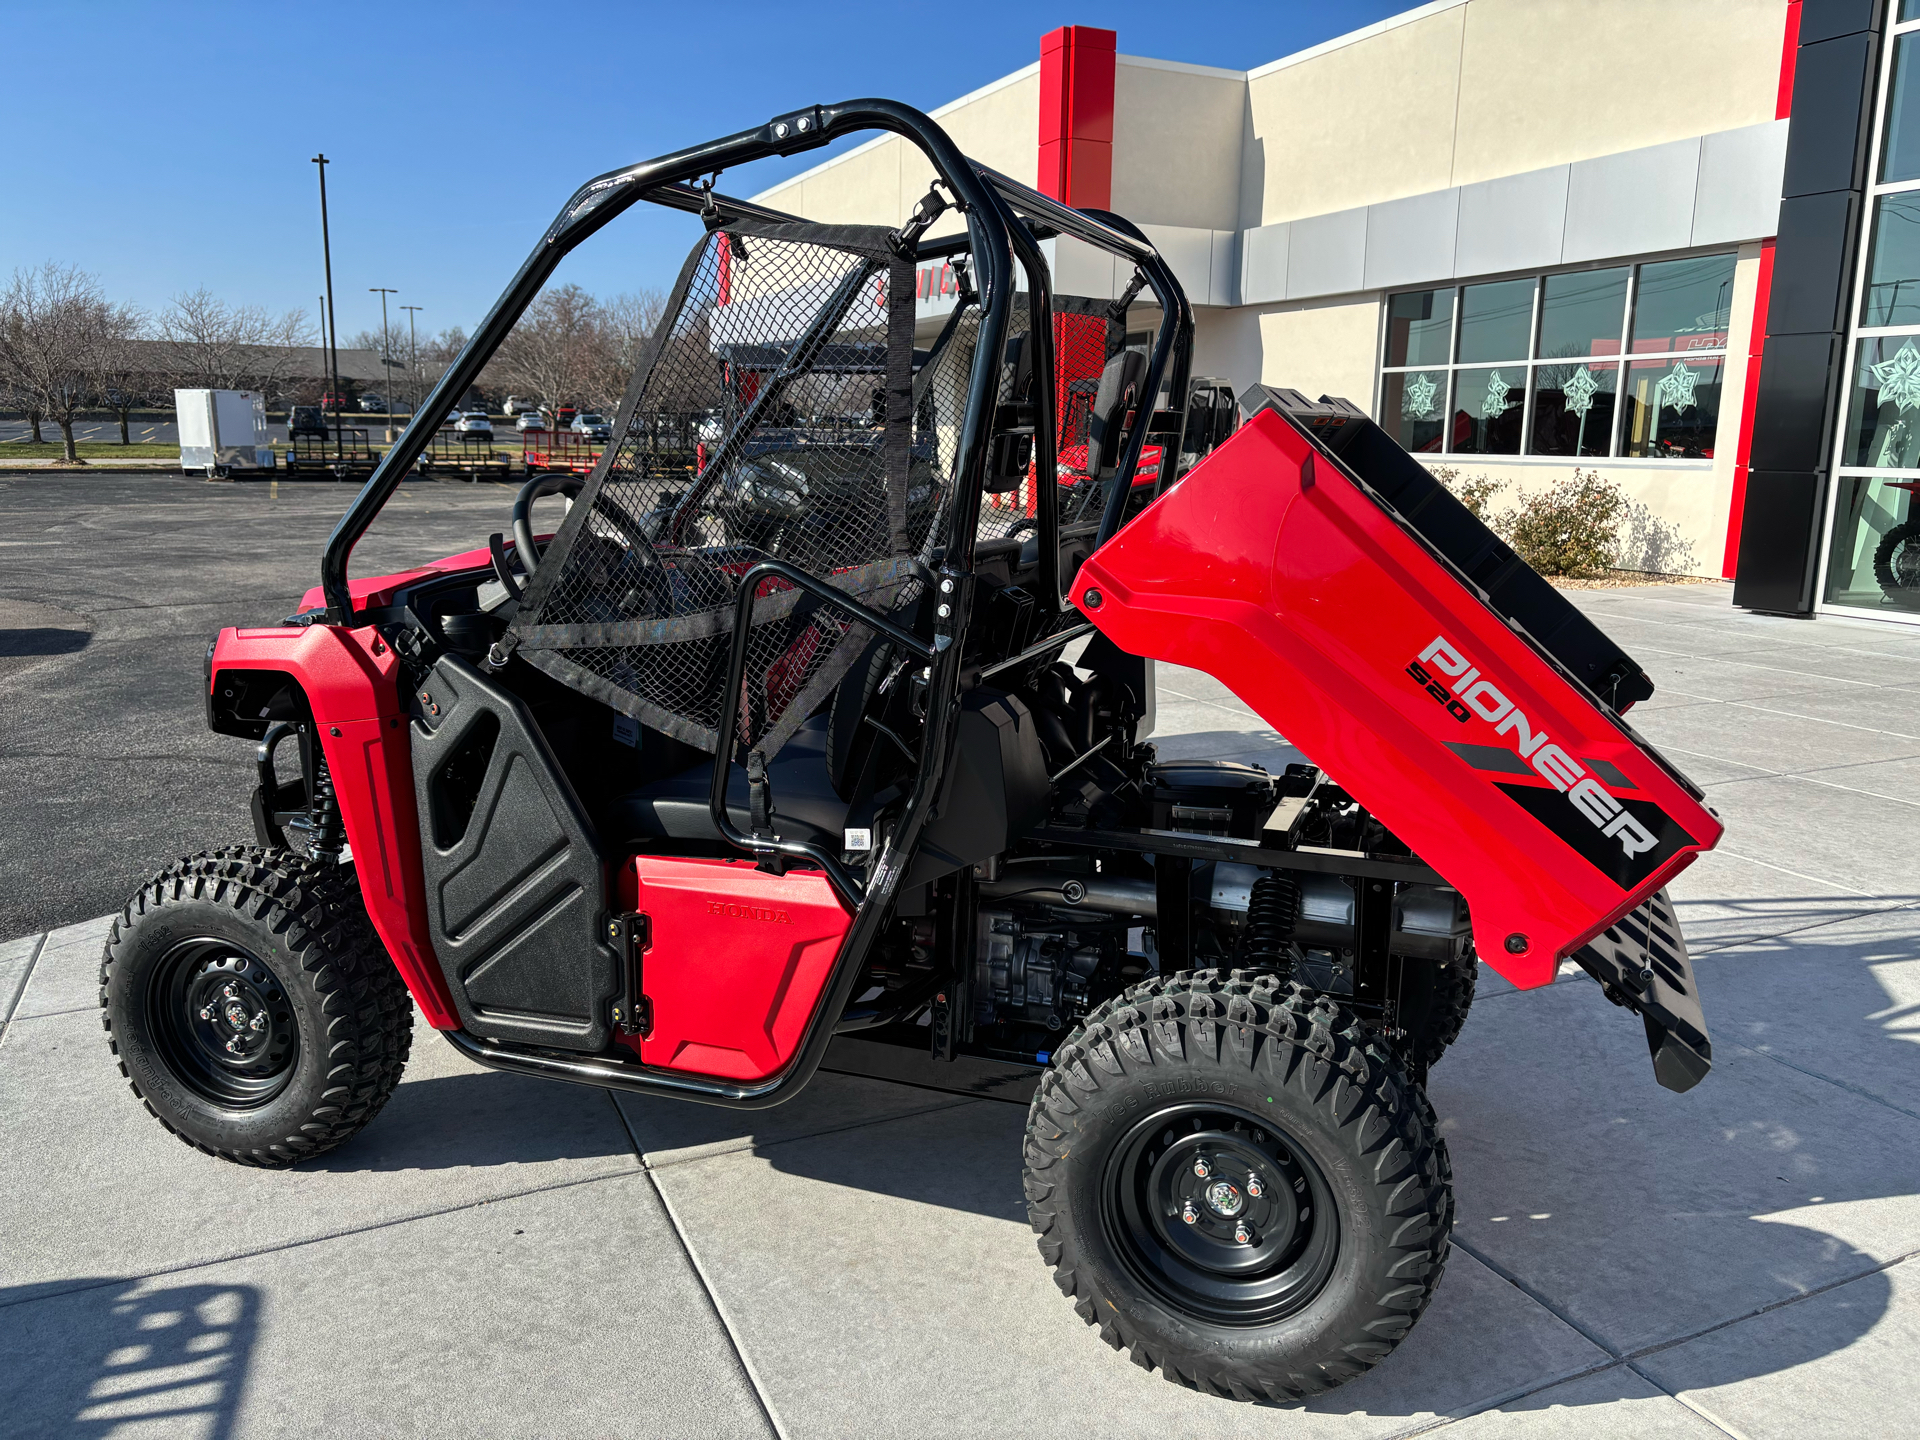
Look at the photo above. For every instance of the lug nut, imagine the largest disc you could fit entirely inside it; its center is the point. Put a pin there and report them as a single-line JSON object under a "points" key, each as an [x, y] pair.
{"points": [[1254, 1187], [1201, 1168], [258, 1023], [233, 1045], [206, 1013], [1188, 1213], [1242, 1234]]}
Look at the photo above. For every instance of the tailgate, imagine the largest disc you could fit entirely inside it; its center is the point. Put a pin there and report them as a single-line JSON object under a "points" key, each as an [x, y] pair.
{"points": [[1275, 568]]}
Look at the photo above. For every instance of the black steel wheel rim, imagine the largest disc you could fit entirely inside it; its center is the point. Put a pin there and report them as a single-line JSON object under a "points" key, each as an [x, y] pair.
{"points": [[1220, 1214], [223, 1023]]}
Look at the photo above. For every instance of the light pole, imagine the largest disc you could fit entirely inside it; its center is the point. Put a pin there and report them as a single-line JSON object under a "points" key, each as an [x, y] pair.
{"points": [[413, 364], [386, 356], [333, 331]]}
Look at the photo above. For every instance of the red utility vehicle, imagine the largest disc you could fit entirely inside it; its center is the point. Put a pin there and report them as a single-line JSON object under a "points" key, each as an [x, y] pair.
{"points": [[786, 751]]}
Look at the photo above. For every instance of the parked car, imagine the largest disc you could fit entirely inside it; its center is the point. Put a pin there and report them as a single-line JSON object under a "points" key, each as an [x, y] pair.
{"points": [[513, 405], [474, 422], [564, 417], [593, 426], [335, 403], [306, 420], [373, 404], [530, 420]]}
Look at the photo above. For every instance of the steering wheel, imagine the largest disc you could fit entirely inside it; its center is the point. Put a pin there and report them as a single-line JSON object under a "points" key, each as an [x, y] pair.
{"points": [[556, 482]]}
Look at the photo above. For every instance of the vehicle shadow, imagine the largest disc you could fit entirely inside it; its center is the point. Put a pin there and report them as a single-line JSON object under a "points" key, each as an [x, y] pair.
{"points": [[42, 640], [120, 1354], [479, 1119]]}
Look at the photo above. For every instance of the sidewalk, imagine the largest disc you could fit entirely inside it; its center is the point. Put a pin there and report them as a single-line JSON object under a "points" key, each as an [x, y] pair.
{"points": [[497, 1255]]}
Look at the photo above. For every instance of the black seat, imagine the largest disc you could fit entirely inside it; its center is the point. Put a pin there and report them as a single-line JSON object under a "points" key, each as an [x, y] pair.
{"points": [[806, 807]]}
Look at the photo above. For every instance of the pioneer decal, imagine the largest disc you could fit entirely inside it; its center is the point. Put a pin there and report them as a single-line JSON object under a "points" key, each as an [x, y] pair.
{"points": [[1627, 839]]}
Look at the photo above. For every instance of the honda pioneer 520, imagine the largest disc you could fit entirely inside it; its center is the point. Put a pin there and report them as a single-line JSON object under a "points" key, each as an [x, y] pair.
{"points": [[818, 735]]}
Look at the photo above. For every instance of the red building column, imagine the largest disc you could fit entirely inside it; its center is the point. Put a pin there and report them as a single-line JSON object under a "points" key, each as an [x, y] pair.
{"points": [[1077, 116]]}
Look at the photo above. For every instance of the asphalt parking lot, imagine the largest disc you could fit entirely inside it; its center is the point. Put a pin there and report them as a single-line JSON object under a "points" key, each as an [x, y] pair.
{"points": [[501, 1256]]}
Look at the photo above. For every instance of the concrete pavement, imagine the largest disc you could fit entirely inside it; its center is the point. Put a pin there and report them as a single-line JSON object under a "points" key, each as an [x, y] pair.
{"points": [[503, 1256]]}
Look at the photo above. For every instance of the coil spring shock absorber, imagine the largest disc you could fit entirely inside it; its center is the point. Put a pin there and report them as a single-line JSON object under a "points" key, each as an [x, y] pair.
{"points": [[1273, 906], [326, 834]]}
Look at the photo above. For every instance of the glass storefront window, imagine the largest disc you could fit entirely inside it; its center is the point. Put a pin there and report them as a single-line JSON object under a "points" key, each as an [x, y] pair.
{"points": [[1882, 416], [1683, 305], [1581, 313], [1420, 326], [1900, 140], [1890, 295], [1573, 408], [1487, 410], [1873, 554], [1414, 408], [1534, 365], [1673, 405], [1495, 320]]}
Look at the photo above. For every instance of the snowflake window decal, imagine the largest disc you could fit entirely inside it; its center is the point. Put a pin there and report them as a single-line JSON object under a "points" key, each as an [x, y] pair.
{"points": [[1578, 391], [1417, 401], [1494, 403], [1675, 390], [1900, 378]]}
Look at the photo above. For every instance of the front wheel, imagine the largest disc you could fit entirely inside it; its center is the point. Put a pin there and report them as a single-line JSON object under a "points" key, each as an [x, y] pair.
{"points": [[251, 1006], [1237, 1185]]}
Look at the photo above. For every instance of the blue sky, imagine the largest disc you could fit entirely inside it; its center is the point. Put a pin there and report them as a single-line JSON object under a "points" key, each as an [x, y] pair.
{"points": [[166, 146]]}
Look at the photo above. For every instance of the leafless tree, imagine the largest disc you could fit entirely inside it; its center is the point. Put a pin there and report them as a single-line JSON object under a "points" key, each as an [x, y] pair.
{"points": [[230, 347], [627, 323], [557, 353], [57, 333], [126, 377]]}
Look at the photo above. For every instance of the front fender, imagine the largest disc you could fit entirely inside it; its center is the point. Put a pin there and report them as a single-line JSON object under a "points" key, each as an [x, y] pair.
{"points": [[350, 680]]}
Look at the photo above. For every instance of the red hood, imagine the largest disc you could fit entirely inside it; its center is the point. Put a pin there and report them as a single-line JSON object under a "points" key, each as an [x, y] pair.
{"points": [[377, 590]]}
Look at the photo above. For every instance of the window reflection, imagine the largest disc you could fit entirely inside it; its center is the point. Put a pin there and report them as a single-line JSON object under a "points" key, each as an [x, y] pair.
{"points": [[1581, 313], [1573, 408], [1683, 304], [1882, 406], [1894, 257], [1495, 320], [1872, 561], [1671, 408], [1419, 327], [1487, 410], [1414, 408], [1900, 142]]}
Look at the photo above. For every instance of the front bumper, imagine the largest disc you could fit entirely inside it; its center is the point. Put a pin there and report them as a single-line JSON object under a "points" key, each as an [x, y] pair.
{"points": [[1642, 964]]}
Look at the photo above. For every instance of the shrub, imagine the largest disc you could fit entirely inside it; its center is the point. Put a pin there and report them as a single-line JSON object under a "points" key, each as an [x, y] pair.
{"points": [[1568, 529], [1473, 491]]}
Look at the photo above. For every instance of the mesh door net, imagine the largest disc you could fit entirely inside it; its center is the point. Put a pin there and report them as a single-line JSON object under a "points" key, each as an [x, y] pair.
{"points": [[770, 419]]}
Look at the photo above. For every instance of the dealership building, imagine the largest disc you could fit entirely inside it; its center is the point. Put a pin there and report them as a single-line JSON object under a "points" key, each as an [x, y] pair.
{"points": [[1671, 241]]}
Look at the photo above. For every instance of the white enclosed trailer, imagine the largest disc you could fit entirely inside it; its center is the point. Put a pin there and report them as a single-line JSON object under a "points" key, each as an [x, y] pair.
{"points": [[222, 431]]}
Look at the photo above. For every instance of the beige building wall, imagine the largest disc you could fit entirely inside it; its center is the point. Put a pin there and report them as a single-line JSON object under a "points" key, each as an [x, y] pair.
{"points": [[1177, 143], [1477, 89], [1522, 111], [1318, 347], [878, 182], [1367, 121]]}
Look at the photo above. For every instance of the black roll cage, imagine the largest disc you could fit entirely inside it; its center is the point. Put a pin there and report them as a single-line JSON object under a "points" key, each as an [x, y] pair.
{"points": [[1006, 221]]}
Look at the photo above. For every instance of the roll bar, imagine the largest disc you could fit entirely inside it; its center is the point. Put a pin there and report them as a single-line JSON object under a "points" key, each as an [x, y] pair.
{"points": [[667, 179]]}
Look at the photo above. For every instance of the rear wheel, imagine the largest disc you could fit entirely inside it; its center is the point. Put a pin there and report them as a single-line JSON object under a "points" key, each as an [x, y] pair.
{"points": [[1237, 1186], [1897, 562], [252, 1008], [1435, 998]]}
